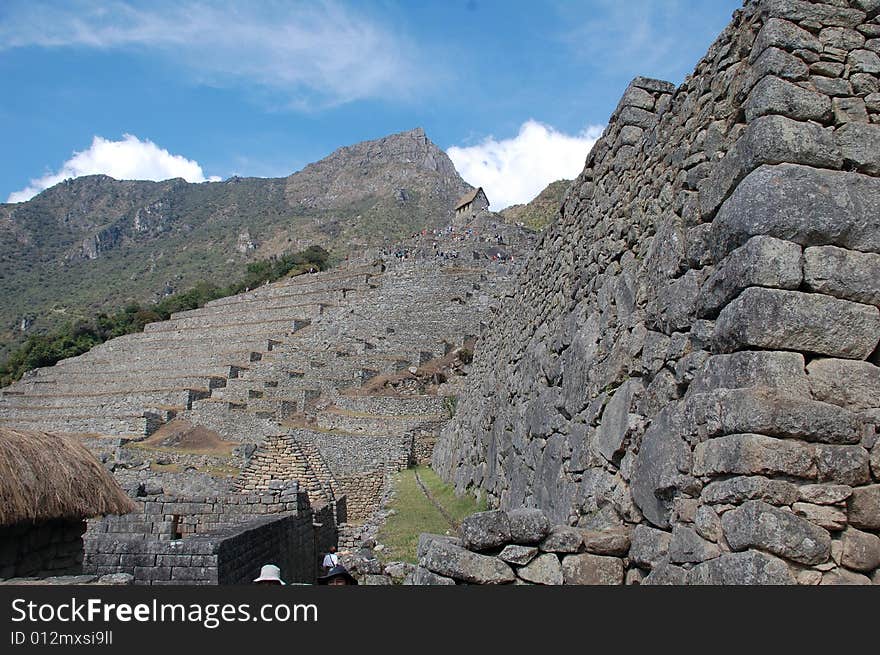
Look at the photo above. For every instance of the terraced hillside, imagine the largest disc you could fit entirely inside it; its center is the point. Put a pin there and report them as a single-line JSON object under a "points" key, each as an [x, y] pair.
{"points": [[94, 243], [333, 379]]}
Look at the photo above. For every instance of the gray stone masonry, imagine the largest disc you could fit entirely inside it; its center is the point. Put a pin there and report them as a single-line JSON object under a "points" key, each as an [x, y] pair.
{"points": [[691, 354]]}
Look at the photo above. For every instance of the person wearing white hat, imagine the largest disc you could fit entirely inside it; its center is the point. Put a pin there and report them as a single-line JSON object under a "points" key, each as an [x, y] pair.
{"points": [[270, 574]]}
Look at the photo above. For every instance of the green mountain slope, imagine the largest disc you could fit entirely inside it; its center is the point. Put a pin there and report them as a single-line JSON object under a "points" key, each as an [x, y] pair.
{"points": [[93, 243], [538, 213]]}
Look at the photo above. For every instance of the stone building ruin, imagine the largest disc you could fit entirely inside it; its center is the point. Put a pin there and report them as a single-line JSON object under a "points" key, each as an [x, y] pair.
{"points": [[471, 204], [691, 355]]}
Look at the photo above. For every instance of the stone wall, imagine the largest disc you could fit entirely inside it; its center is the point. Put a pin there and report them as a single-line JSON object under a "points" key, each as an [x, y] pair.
{"points": [[693, 348], [44, 549], [220, 540]]}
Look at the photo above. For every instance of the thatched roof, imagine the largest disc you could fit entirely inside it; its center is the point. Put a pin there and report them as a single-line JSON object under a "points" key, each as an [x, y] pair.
{"points": [[50, 476], [468, 198]]}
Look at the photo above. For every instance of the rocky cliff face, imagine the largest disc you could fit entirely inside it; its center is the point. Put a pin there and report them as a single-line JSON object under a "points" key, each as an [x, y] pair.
{"points": [[692, 351], [94, 242]]}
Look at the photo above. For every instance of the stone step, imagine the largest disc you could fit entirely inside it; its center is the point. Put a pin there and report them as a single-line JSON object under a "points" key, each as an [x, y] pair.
{"points": [[242, 303], [229, 329], [136, 426], [170, 358], [131, 401], [393, 405], [336, 419], [75, 383], [236, 316]]}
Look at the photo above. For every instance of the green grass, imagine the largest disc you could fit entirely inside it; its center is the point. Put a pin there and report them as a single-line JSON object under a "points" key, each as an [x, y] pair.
{"points": [[416, 514]]}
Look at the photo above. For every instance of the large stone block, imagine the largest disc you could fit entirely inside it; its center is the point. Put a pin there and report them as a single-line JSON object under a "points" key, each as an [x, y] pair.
{"points": [[861, 550], [485, 530], [846, 465], [528, 526], [864, 507], [687, 546], [422, 576], [753, 368], [588, 569], [859, 144], [769, 140], [809, 206], [544, 569], [614, 428], [820, 13], [747, 568], [761, 262], [613, 541], [451, 561], [791, 320], [663, 457], [755, 454], [842, 273], [766, 411], [738, 489], [773, 95], [758, 525], [783, 34], [845, 382], [649, 546]]}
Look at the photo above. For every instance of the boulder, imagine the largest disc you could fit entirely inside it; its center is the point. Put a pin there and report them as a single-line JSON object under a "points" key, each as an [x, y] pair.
{"points": [[451, 561], [563, 539], [823, 494], [747, 568], [737, 490], [825, 516], [863, 507], [773, 95], [422, 576], [426, 539], [612, 541], [847, 465], [859, 143], [589, 569], [528, 526], [861, 550], [758, 525], [686, 546], [662, 457], [544, 569], [754, 454], [485, 530], [519, 555], [649, 546]]}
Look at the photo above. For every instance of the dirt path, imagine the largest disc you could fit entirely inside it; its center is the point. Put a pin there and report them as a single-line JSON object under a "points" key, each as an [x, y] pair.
{"points": [[451, 521]]}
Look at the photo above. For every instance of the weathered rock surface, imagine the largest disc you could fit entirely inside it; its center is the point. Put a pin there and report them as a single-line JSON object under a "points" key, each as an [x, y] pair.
{"points": [[449, 560], [791, 320], [758, 525], [588, 569], [544, 569], [485, 530]]}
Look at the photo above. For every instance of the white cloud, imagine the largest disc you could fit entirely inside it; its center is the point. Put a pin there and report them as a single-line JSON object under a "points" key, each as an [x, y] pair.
{"points": [[128, 159], [514, 171], [310, 54]]}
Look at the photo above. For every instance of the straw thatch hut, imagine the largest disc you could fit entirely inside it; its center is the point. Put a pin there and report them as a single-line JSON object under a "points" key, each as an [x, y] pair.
{"points": [[49, 485]]}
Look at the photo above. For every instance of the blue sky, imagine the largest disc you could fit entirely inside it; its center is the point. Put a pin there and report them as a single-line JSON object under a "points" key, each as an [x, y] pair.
{"points": [[514, 90]]}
